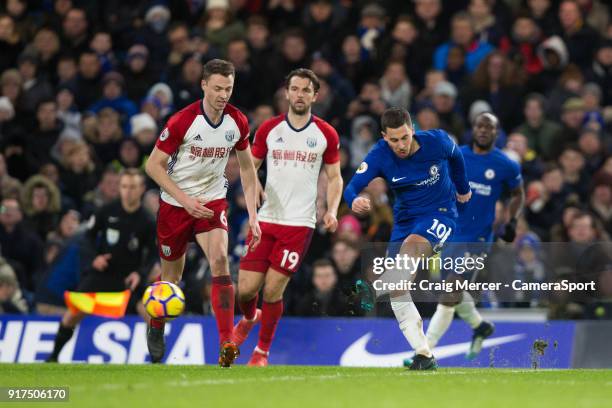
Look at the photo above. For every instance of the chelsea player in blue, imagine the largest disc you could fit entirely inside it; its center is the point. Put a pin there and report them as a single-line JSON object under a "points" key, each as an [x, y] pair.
{"points": [[426, 172], [490, 173]]}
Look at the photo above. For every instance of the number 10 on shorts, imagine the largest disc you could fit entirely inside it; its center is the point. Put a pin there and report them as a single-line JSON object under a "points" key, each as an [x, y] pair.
{"points": [[292, 257], [440, 231]]}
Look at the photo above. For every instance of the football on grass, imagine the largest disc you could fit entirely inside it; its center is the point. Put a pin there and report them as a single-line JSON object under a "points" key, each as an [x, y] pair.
{"points": [[164, 300]]}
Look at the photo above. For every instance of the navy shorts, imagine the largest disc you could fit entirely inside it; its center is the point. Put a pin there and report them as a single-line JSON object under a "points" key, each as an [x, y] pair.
{"points": [[436, 228]]}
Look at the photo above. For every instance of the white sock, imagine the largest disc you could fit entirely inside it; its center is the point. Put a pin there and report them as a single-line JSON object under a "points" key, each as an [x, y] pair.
{"points": [[467, 311], [439, 324], [410, 323]]}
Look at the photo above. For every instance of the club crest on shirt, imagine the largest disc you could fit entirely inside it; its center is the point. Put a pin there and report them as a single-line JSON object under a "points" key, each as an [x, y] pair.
{"points": [[433, 170], [229, 135], [166, 250], [489, 174], [363, 167], [112, 236], [164, 134], [311, 142]]}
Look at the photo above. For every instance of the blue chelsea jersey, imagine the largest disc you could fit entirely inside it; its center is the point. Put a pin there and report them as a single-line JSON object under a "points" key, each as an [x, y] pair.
{"points": [[489, 175], [423, 183]]}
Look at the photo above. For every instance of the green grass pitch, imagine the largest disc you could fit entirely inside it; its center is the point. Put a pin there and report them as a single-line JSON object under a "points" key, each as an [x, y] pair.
{"points": [[293, 386]]}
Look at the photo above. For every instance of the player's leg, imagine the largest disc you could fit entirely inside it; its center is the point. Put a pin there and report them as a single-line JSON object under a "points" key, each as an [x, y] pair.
{"points": [[249, 285], [445, 311], [406, 313], [253, 267], [481, 328], [272, 311], [174, 229], [214, 244], [70, 319]]}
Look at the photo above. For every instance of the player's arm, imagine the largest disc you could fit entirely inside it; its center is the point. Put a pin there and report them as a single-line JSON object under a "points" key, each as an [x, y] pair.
{"points": [[459, 174], [261, 191], [157, 168], [94, 226], [248, 177], [367, 171], [334, 194]]}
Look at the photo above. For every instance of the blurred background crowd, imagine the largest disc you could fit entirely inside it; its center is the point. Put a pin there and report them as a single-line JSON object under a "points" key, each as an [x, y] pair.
{"points": [[85, 87]]}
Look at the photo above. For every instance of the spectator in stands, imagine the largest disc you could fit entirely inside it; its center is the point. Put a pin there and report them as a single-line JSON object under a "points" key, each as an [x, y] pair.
{"points": [[75, 33], [496, 81], [113, 86], [11, 296], [35, 88], [600, 202], [77, 173], [554, 56], [67, 111], [144, 131], [104, 133], [542, 134], [572, 117], [40, 141], [47, 45], [219, 24], [600, 71], [404, 44], [395, 86], [105, 192], [325, 299], [521, 46], [41, 205], [580, 38], [593, 150], [487, 28], [531, 164], [574, 177], [21, 248], [545, 201], [462, 35], [444, 102], [137, 72], [88, 85], [10, 43]]}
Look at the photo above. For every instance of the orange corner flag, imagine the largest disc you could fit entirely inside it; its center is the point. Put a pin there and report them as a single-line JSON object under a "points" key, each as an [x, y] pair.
{"points": [[106, 304]]}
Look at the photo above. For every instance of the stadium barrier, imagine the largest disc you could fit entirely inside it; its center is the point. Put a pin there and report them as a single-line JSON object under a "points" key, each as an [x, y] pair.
{"points": [[299, 341]]}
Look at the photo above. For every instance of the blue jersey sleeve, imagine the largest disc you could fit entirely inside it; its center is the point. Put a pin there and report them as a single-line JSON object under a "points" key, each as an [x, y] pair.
{"points": [[456, 163], [514, 178], [367, 171]]}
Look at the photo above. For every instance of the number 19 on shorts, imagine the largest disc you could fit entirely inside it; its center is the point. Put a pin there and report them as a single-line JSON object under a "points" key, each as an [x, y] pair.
{"points": [[293, 258]]}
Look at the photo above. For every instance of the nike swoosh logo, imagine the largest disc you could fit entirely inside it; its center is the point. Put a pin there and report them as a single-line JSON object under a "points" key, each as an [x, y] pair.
{"points": [[356, 355], [393, 179]]}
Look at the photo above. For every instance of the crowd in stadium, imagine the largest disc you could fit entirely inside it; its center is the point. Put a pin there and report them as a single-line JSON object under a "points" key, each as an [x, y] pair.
{"points": [[86, 87]]}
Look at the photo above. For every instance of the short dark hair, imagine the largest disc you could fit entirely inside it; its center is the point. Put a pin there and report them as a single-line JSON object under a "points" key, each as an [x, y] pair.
{"points": [[304, 73], [218, 66], [132, 172], [321, 263], [393, 118]]}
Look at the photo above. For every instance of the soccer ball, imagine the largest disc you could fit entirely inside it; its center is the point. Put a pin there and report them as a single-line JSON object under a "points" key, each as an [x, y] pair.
{"points": [[164, 300]]}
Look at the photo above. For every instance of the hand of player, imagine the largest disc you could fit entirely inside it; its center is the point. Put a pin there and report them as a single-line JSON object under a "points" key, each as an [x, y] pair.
{"points": [[100, 263], [196, 208], [255, 233], [330, 222], [361, 206], [509, 231], [132, 280], [464, 198]]}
